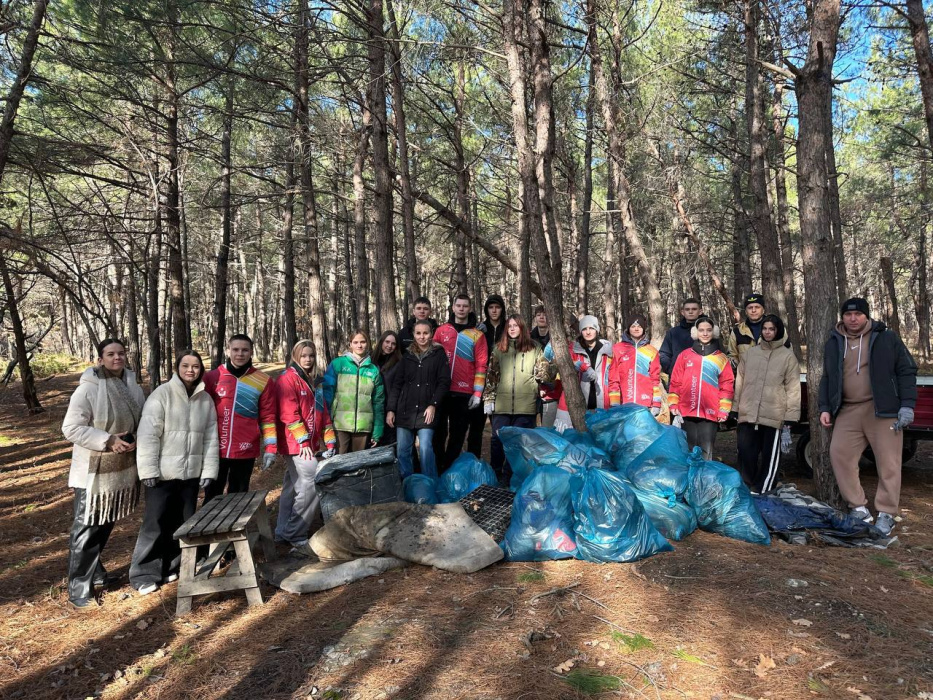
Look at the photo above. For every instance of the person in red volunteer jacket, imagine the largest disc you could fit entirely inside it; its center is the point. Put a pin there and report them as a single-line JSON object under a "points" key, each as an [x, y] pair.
{"points": [[635, 373], [702, 387], [592, 356], [467, 355], [246, 413], [304, 428]]}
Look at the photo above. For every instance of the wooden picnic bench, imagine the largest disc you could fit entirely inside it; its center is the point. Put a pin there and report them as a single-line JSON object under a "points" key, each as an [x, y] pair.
{"points": [[237, 519]]}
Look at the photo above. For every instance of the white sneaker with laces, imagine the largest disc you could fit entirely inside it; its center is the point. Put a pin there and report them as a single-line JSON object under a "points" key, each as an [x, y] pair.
{"points": [[862, 513], [885, 523], [147, 588], [171, 578]]}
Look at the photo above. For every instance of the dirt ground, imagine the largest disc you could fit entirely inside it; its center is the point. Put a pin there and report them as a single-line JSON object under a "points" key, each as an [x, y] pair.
{"points": [[714, 619]]}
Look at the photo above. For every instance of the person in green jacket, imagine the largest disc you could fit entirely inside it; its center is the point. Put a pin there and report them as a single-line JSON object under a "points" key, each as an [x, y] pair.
{"points": [[516, 367], [355, 396]]}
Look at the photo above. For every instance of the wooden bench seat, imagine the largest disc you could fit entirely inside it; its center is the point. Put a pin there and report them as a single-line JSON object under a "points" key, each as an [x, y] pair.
{"points": [[237, 519]]}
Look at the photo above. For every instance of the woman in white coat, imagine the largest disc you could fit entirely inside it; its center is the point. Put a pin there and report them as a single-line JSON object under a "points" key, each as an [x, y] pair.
{"points": [[101, 420], [178, 453]]}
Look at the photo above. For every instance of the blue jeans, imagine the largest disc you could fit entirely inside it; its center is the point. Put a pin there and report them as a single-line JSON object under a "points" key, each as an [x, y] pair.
{"points": [[406, 443]]}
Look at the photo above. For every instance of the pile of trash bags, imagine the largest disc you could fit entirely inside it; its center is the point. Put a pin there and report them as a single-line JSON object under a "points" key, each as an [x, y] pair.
{"points": [[618, 492], [465, 474]]}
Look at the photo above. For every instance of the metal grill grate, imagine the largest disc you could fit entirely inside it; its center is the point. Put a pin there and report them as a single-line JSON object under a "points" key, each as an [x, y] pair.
{"points": [[490, 508]]}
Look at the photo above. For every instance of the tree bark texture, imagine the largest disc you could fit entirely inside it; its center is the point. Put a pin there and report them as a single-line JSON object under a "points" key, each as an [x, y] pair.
{"points": [[19, 337], [226, 231], [813, 86]]}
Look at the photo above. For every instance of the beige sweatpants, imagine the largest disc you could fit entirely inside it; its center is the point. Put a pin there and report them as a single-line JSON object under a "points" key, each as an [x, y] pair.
{"points": [[855, 428]]}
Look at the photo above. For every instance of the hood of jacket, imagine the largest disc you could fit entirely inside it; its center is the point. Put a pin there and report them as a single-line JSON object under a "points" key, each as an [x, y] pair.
{"points": [[494, 299], [626, 338], [90, 376], [707, 349], [842, 335], [179, 384], [776, 343], [471, 322], [604, 351]]}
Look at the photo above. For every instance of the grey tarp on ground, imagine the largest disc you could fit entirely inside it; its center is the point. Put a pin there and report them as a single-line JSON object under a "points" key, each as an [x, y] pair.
{"points": [[295, 575], [434, 535]]}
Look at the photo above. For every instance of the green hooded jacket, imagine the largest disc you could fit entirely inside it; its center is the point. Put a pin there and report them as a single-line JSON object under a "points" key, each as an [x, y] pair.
{"points": [[355, 395], [513, 378]]}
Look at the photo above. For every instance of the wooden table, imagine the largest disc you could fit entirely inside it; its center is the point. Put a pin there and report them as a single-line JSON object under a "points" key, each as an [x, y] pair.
{"points": [[238, 519]]}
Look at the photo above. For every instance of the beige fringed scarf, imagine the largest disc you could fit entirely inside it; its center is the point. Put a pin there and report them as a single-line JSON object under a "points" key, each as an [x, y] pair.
{"points": [[112, 480]]}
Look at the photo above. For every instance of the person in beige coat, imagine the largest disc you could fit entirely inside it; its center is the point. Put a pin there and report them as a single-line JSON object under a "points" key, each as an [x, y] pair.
{"points": [[100, 422], [178, 454], [767, 393]]}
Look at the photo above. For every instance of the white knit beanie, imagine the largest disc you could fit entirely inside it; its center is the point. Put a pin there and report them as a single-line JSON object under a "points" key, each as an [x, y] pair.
{"points": [[589, 322]]}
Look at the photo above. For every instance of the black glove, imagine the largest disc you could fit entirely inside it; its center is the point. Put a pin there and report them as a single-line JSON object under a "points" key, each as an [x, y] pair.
{"points": [[205, 483], [150, 483]]}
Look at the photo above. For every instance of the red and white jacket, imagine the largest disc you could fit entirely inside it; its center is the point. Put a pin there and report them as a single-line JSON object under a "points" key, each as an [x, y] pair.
{"points": [[635, 374], [246, 411], [303, 416], [581, 361], [467, 355], [702, 386]]}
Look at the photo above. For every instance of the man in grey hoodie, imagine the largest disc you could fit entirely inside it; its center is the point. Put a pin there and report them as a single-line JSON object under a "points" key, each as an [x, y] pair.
{"points": [[869, 378]]}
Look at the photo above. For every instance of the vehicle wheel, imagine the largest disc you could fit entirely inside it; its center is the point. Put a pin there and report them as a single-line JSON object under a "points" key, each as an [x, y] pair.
{"points": [[804, 462]]}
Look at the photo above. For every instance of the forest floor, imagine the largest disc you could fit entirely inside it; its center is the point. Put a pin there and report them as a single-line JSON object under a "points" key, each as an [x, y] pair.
{"points": [[716, 618]]}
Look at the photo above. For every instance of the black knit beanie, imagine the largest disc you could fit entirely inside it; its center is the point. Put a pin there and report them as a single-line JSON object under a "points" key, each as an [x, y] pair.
{"points": [[754, 298], [855, 304]]}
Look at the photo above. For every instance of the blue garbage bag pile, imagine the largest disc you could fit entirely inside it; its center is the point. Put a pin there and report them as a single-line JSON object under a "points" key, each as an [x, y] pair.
{"points": [[466, 474], [619, 491]]}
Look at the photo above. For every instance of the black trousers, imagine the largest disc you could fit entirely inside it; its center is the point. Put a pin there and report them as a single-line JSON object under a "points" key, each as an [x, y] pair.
{"points": [[477, 426], [85, 547], [759, 455], [702, 433], [233, 472], [500, 420], [158, 554], [451, 428]]}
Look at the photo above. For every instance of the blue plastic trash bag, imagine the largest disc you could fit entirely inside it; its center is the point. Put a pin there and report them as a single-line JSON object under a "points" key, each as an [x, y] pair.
{"points": [[529, 448], [609, 521], [722, 502], [585, 442], [542, 520], [465, 474], [609, 427], [662, 467], [673, 519], [420, 488]]}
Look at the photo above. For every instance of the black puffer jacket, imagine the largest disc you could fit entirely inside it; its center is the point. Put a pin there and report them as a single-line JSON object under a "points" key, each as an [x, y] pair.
{"points": [[406, 336], [421, 380], [892, 371]]}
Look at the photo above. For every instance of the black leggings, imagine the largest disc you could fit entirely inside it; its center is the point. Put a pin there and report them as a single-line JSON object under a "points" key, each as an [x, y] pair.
{"points": [[759, 455], [235, 472], [701, 433]]}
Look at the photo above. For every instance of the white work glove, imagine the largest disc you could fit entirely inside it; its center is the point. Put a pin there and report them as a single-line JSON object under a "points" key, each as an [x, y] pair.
{"points": [[327, 454], [474, 402], [205, 483], [268, 459], [150, 483], [785, 439], [678, 421], [488, 408], [655, 411], [589, 375], [905, 417]]}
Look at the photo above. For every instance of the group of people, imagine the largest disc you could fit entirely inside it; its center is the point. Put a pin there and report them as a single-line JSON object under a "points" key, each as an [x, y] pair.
{"points": [[435, 385]]}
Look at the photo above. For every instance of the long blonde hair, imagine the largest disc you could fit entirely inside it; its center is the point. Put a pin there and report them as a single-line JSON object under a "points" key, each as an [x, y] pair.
{"points": [[296, 353]]}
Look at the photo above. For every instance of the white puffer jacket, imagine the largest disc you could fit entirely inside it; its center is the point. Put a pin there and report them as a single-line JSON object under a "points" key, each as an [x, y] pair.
{"points": [[78, 426], [178, 434]]}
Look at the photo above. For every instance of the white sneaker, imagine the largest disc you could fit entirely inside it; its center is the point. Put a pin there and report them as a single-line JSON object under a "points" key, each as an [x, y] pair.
{"points": [[147, 588], [171, 578], [862, 513], [885, 523]]}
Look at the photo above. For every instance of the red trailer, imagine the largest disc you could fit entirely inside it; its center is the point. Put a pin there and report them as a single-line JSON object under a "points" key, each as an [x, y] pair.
{"points": [[922, 428]]}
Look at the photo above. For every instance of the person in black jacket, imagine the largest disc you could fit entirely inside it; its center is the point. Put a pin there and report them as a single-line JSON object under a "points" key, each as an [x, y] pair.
{"points": [[386, 355], [678, 339], [418, 387], [421, 311], [869, 378], [494, 323]]}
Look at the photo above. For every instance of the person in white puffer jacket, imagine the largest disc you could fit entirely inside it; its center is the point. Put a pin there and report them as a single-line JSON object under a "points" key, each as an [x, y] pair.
{"points": [[178, 453]]}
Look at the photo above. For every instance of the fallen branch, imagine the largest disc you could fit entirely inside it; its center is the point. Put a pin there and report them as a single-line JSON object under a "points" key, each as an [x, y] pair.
{"points": [[553, 591]]}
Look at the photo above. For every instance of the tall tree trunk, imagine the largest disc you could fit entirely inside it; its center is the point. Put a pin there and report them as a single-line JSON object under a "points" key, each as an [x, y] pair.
{"points": [[583, 254], [548, 269], [893, 317], [383, 239], [920, 36], [921, 262], [783, 219], [741, 249], [835, 214], [226, 230], [312, 231], [813, 86], [412, 274], [19, 337], [288, 243], [646, 274], [18, 88], [609, 269], [361, 286], [765, 231], [153, 251]]}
